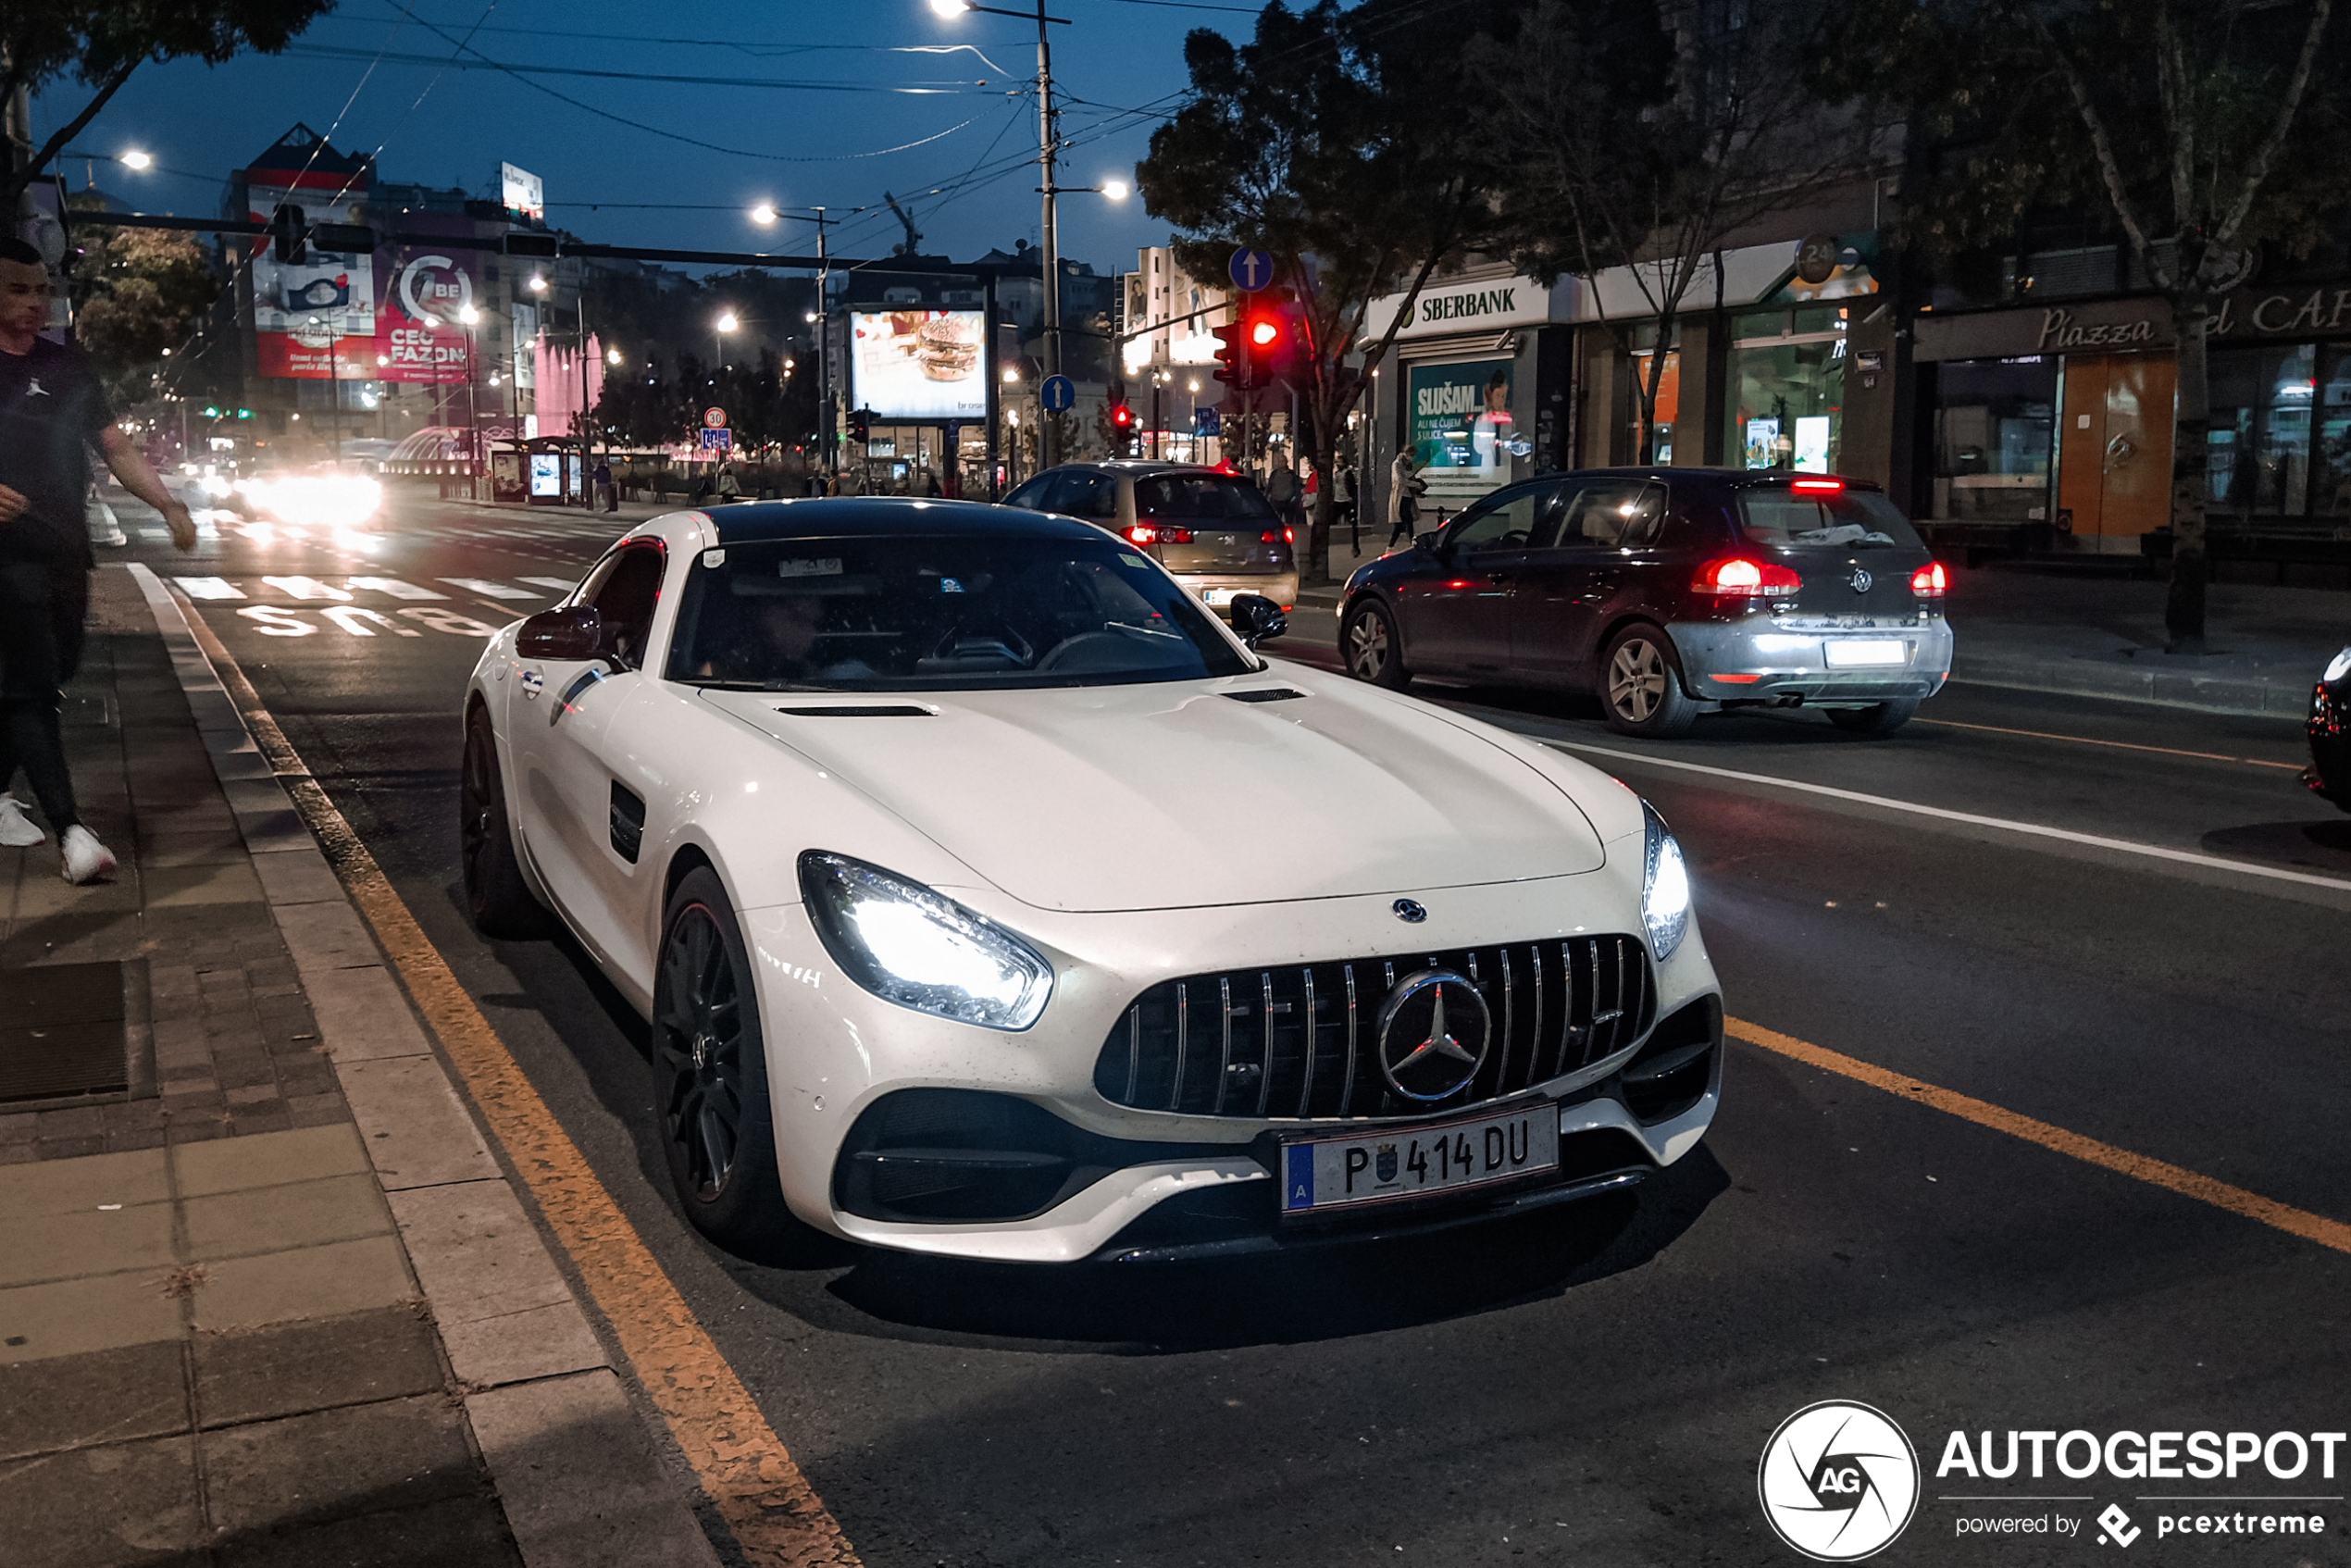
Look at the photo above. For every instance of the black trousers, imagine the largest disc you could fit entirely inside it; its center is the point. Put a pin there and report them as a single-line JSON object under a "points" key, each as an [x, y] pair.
{"points": [[42, 611]]}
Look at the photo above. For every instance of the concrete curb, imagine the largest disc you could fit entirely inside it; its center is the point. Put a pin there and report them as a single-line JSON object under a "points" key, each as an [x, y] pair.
{"points": [[575, 1471], [2254, 697]]}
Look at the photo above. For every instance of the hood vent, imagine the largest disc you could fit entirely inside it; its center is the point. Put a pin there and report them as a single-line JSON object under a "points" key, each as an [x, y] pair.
{"points": [[869, 710], [1265, 694]]}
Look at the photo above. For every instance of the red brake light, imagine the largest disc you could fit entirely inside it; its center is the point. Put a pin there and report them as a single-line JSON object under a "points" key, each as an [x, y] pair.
{"points": [[1817, 484], [1289, 536], [1143, 533], [1175, 536], [1737, 577], [1930, 582]]}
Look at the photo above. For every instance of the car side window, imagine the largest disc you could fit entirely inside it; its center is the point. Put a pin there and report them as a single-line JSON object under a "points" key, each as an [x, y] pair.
{"points": [[1614, 512], [1506, 523], [624, 591], [1081, 494], [1031, 496]]}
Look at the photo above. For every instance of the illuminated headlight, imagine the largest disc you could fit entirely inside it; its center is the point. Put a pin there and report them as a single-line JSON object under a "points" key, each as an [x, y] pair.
{"points": [[1665, 887], [908, 945], [2338, 667]]}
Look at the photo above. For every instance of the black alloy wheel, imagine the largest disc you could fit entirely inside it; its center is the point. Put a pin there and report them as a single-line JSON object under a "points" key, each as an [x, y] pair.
{"points": [[1879, 718], [497, 898], [1371, 647], [1641, 685], [710, 1072]]}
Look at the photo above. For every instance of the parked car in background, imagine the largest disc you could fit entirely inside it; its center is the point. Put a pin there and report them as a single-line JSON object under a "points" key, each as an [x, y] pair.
{"points": [[2329, 729], [1669, 592], [1214, 532]]}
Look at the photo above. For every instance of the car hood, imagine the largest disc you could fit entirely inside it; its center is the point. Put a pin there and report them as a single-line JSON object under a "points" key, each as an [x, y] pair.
{"points": [[1179, 795]]}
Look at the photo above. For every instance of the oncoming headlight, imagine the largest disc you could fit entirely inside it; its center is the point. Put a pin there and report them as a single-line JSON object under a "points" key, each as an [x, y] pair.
{"points": [[908, 945], [1665, 887]]}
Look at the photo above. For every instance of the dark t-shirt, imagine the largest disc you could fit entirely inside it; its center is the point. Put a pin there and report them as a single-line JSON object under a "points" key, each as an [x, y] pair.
{"points": [[52, 412]]}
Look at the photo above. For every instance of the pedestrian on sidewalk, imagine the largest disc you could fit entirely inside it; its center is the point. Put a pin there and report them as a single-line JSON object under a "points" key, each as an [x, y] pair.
{"points": [[1343, 504], [52, 411], [603, 497], [1404, 490]]}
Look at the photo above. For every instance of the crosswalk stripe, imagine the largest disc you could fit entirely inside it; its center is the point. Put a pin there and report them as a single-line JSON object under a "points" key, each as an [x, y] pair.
{"points": [[306, 588], [560, 584], [208, 588], [397, 588], [491, 589]]}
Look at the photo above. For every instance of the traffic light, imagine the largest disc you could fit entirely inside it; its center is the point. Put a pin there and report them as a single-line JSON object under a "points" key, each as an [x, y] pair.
{"points": [[1232, 364], [861, 424], [1265, 336], [289, 236], [1121, 420]]}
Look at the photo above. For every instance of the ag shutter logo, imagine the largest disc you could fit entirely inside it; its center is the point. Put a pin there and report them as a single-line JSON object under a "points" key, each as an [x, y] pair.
{"points": [[2115, 1525], [1838, 1481]]}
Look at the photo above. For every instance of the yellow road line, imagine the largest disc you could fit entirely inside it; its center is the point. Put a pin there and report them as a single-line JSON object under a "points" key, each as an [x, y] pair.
{"points": [[2140, 1167], [773, 1512], [2119, 745]]}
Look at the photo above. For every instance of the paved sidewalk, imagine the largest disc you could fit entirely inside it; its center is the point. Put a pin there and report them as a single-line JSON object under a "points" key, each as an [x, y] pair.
{"points": [[265, 1296]]}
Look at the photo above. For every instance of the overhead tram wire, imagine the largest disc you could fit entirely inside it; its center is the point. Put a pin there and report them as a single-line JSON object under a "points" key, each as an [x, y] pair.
{"points": [[933, 89]]}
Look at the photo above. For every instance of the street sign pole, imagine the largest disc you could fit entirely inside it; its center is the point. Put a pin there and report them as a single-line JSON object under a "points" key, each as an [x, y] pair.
{"points": [[995, 380]]}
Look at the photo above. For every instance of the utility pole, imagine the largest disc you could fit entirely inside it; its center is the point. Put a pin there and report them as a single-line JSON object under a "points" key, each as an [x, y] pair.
{"points": [[824, 330], [1048, 451], [995, 379]]}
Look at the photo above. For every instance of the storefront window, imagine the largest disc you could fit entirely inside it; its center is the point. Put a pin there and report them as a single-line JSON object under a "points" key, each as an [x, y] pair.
{"points": [[1669, 400], [2330, 473], [1788, 390], [1994, 429], [2263, 404], [1459, 425]]}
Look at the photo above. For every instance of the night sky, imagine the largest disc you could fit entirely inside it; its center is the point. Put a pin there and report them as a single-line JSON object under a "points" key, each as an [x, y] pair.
{"points": [[830, 84]]}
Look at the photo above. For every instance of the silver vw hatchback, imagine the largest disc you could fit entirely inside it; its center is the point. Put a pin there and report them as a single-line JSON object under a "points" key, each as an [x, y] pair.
{"points": [[1214, 531]]}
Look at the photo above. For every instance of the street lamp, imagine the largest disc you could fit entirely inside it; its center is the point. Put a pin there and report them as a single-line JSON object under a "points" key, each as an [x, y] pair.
{"points": [[764, 214], [135, 159], [471, 318], [725, 323]]}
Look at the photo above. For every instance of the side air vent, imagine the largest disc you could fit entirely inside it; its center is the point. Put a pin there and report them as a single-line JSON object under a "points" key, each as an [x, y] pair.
{"points": [[874, 710], [1265, 694]]}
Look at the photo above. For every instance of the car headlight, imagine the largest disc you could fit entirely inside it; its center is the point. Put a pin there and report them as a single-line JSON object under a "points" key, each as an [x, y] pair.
{"points": [[1665, 887], [2337, 667], [908, 945]]}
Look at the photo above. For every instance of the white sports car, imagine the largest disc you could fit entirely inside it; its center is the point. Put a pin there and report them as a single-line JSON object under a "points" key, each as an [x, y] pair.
{"points": [[988, 897]]}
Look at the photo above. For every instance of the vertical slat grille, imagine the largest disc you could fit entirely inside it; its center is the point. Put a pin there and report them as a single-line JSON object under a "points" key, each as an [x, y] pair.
{"points": [[1301, 1042]]}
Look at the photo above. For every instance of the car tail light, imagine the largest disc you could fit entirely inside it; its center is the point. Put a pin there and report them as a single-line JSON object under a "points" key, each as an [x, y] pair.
{"points": [[1289, 536], [1143, 534], [1736, 576], [1817, 484], [1930, 582], [1174, 536]]}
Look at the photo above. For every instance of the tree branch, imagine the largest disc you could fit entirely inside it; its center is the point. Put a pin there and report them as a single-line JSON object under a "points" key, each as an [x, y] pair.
{"points": [[2287, 108], [19, 178], [2109, 168]]}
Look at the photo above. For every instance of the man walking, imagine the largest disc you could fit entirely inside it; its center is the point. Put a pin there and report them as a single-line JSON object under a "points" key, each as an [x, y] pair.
{"points": [[52, 411]]}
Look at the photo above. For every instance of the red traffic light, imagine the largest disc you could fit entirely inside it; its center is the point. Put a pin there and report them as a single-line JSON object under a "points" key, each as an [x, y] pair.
{"points": [[1121, 416], [1264, 332]]}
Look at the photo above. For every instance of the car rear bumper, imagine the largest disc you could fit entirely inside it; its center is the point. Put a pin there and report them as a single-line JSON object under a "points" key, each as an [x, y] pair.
{"points": [[1761, 659], [1217, 588]]}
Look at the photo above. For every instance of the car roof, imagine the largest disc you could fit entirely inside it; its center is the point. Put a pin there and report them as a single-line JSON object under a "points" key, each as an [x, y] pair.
{"points": [[1735, 479], [838, 517], [1137, 466]]}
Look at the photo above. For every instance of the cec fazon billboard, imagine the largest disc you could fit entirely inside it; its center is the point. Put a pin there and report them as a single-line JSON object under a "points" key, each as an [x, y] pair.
{"points": [[918, 365], [422, 335]]}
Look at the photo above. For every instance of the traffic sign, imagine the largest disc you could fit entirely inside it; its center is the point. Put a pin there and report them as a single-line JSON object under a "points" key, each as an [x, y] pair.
{"points": [[717, 441], [713, 418], [1206, 422], [1250, 269], [1059, 394]]}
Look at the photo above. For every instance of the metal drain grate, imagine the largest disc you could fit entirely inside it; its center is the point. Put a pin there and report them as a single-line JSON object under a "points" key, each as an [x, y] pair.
{"points": [[67, 1029]]}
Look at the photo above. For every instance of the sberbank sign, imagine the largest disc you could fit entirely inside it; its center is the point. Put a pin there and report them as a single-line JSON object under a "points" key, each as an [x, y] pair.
{"points": [[1469, 307]]}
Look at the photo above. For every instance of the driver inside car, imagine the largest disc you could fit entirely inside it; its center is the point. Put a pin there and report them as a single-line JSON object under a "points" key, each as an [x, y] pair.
{"points": [[775, 636]]}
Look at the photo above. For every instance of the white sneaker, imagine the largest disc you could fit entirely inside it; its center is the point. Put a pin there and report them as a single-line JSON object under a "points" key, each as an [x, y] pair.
{"points": [[86, 859], [17, 831]]}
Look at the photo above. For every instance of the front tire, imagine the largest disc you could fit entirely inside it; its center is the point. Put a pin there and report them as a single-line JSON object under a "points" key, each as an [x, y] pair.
{"points": [[1373, 650], [497, 898], [1882, 718], [710, 1072], [1641, 685]]}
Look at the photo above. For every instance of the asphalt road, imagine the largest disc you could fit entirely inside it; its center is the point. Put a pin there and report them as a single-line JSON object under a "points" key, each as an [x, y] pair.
{"points": [[1594, 1387]]}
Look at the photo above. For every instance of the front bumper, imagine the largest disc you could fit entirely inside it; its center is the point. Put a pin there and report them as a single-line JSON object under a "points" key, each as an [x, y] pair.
{"points": [[839, 1057], [1786, 659]]}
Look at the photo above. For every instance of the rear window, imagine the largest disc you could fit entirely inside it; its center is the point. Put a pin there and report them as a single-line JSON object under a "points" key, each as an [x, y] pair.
{"points": [[1202, 497], [1835, 518]]}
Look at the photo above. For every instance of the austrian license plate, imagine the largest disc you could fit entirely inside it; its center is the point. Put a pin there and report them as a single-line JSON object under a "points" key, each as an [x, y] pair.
{"points": [[1862, 653], [1219, 595], [1323, 1174]]}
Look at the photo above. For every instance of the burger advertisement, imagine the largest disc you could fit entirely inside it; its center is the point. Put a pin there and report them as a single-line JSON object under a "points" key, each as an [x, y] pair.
{"points": [[919, 365]]}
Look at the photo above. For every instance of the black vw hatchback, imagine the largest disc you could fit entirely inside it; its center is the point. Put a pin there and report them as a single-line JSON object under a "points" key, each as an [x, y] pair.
{"points": [[1669, 592]]}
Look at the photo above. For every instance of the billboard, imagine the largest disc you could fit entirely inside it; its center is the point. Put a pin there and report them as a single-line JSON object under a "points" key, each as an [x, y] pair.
{"points": [[1460, 422], [316, 319], [524, 196], [423, 337], [919, 366]]}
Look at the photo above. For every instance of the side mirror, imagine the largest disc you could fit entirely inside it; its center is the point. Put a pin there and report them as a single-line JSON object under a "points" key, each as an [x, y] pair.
{"points": [[1256, 618], [1428, 543], [576, 631]]}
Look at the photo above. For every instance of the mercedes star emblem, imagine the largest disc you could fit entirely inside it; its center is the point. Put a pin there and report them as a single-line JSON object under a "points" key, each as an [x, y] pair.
{"points": [[1861, 580], [1433, 1032], [1409, 911]]}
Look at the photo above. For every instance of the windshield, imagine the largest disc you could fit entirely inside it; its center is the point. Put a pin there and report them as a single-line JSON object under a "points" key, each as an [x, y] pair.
{"points": [[1836, 517], [1201, 497], [938, 613]]}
